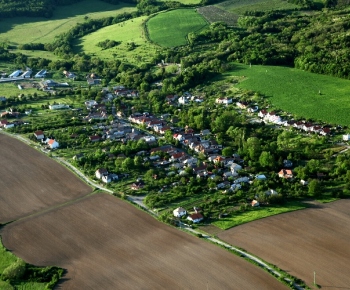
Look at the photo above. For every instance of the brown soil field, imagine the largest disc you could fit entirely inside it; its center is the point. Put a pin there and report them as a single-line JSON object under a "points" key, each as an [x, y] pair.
{"points": [[316, 239], [106, 243], [31, 182]]}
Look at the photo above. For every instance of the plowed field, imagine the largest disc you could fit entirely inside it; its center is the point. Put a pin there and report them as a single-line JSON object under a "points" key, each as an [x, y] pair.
{"points": [[31, 182], [105, 243], [302, 242]]}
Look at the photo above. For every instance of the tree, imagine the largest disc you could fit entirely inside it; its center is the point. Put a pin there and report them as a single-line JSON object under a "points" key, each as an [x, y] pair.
{"points": [[315, 188], [127, 164], [266, 159], [227, 151]]}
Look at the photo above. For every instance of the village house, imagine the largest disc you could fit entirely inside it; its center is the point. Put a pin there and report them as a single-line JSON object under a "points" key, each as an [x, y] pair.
{"points": [[39, 135], [224, 101], [195, 218], [285, 173], [53, 144], [179, 212], [95, 138], [3, 123], [99, 173]]}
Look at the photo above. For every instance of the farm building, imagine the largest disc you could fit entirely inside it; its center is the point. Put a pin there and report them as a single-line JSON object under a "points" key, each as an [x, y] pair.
{"points": [[58, 107], [41, 74], [52, 143], [179, 212], [27, 74], [9, 125], [15, 74], [196, 217]]}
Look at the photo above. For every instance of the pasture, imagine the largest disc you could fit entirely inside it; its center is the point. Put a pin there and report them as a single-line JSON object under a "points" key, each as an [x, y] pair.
{"points": [[304, 94], [20, 30], [239, 7], [32, 182], [170, 29], [105, 243], [129, 31], [315, 239]]}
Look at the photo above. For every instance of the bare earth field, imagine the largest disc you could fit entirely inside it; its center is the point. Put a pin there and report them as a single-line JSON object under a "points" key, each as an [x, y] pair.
{"points": [[30, 181], [301, 242], [106, 243]]}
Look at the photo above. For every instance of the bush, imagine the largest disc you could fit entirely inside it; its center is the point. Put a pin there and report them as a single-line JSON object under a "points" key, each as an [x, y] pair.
{"points": [[15, 271], [5, 285]]}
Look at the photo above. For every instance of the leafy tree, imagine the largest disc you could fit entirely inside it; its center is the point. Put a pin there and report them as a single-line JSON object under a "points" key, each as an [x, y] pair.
{"points": [[127, 164], [227, 151], [266, 159], [315, 188]]}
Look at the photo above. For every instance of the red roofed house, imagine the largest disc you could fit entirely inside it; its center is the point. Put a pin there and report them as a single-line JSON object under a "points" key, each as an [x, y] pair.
{"points": [[52, 143], [39, 135], [94, 138], [285, 173], [196, 217], [3, 123]]}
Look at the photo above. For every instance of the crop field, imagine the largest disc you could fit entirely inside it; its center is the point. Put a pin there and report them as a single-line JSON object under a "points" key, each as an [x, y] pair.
{"points": [[302, 242], [126, 32], [32, 182], [170, 29], [301, 93], [215, 14], [105, 243], [20, 30], [240, 6]]}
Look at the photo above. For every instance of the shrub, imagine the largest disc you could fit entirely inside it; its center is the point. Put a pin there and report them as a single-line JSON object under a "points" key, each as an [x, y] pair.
{"points": [[15, 271]]}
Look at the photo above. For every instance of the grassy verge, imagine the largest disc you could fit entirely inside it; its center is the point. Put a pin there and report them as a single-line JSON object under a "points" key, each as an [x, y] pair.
{"points": [[170, 29], [301, 93], [239, 218]]}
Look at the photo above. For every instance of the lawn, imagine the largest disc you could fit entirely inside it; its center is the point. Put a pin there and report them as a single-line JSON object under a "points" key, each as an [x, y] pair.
{"points": [[20, 30], [239, 6], [304, 94], [171, 28], [126, 32], [257, 213]]}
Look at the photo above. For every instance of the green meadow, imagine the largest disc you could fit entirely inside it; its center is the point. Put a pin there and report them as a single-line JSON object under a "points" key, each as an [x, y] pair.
{"points": [[301, 93], [256, 213], [239, 7], [129, 31], [170, 29], [20, 30]]}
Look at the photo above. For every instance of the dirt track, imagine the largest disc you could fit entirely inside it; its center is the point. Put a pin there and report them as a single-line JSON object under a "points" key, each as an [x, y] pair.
{"points": [[301, 242], [106, 243], [31, 182]]}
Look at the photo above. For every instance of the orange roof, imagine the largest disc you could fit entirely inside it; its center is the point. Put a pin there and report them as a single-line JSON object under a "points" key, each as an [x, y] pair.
{"points": [[51, 141]]}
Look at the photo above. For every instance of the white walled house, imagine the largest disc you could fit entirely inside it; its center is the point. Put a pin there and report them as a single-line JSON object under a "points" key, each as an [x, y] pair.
{"points": [[196, 217], [101, 172], [346, 137], [179, 212]]}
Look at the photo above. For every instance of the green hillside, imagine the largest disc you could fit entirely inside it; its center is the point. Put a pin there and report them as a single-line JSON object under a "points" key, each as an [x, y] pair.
{"points": [[301, 93]]}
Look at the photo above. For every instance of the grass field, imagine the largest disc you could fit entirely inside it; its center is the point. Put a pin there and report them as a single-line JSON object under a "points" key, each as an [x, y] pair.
{"points": [[255, 214], [240, 6], [185, 1], [303, 242], [171, 28], [126, 32], [297, 91], [19, 30]]}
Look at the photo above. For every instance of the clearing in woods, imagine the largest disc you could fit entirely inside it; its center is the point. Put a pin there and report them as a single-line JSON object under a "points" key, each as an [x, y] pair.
{"points": [[170, 29], [106, 243], [31, 182], [303, 242]]}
